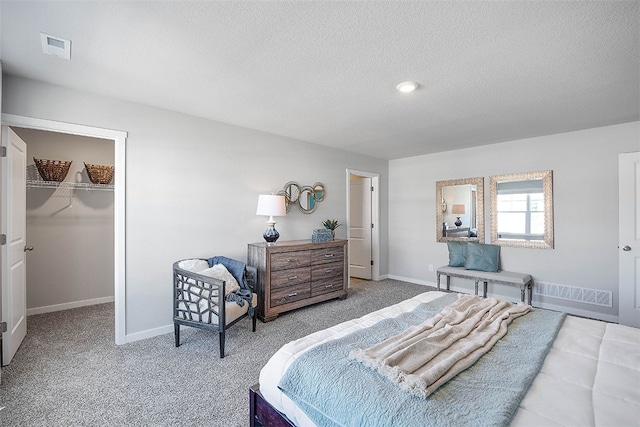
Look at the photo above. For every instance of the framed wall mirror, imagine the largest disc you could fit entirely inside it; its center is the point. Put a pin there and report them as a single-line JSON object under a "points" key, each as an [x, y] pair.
{"points": [[460, 210], [522, 209]]}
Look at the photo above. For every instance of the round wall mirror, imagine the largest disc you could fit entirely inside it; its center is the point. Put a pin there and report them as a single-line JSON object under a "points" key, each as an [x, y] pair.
{"points": [[307, 202], [318, 192], [291, 193]]}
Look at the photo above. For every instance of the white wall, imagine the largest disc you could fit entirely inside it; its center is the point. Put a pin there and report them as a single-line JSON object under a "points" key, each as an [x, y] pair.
{"points": [[71, 230], [193, 184], [585, 185]]}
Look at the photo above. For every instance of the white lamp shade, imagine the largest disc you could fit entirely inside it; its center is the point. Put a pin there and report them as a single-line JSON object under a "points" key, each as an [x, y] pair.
{"points": [[457, 209], [271, 205]]}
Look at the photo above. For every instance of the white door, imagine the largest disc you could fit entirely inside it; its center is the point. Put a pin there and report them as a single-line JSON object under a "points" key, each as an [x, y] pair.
{"points": [[14, 189], [629, 241], [360, 227]]}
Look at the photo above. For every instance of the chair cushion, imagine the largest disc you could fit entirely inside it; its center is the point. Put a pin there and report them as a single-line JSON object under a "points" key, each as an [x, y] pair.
{"points": [[482, 257], [220, 272], [457, 253], [232, 310], [194, 265]]}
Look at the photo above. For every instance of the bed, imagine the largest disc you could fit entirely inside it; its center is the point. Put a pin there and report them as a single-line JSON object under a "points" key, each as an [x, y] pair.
{"points": [[589, 374]]}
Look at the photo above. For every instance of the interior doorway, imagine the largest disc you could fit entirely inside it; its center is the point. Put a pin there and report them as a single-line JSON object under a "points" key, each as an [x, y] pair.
{"points": [[363, 224], [119, 140]]}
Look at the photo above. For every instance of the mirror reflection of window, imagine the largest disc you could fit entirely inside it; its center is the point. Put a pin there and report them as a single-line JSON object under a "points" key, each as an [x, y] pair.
{"points": [[520, 207]]}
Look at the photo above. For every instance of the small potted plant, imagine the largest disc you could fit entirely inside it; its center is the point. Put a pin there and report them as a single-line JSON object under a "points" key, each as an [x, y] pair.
{"points": [[331, 224]]}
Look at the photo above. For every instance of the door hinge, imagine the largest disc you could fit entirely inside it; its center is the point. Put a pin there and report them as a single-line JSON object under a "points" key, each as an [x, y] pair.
{"points": [[3, 151], [371, 262], [3, 326], [3, 239], [372, 188], [371, 225]]}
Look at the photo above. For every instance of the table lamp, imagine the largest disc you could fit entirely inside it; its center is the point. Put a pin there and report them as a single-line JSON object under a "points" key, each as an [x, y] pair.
{"points": [[271, 205]]}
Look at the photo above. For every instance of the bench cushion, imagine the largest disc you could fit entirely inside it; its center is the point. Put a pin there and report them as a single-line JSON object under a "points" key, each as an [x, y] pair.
{"points": [[500, 276]]}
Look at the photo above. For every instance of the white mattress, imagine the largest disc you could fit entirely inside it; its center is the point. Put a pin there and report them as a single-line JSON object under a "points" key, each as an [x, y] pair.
{"points": [[591, 376]]}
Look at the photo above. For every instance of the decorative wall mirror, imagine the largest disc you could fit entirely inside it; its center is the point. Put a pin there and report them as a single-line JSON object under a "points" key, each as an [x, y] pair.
{"points": [[460, 210], [291, 193], [306, 197], [522, 209], [307, 202]]}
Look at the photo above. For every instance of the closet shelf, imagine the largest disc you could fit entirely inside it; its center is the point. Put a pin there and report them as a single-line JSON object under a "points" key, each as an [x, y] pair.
{"points": [[38, 183]]}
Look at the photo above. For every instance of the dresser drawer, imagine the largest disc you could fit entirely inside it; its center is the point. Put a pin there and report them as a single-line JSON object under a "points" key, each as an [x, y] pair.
{"points": [[320, 272], [291, 277], [328, 255], [286, 260], [290, 294], [327, 284]]}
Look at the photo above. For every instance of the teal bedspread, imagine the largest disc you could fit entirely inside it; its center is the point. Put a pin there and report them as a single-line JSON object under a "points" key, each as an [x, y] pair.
{"points": [[336, 391]]}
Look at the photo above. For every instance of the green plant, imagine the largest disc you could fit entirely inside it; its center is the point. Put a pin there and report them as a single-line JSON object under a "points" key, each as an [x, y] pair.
{"points": [[331, 224]]}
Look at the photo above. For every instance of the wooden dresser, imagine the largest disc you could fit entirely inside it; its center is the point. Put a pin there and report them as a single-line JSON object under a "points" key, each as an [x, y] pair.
{"points": [[298, 273]]}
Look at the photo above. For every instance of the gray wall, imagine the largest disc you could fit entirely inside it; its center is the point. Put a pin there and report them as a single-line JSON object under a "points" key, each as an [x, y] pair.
{"points": [[585, 185], [193, 185], [70, 229]]}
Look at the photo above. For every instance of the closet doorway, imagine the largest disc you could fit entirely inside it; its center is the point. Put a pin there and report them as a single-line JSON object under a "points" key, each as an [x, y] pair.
{"points": [[69, 224], [68, 201], [363, 224]]}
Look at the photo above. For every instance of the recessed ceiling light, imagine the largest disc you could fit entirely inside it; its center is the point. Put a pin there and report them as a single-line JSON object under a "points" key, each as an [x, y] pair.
{"points": [[408, 86]]}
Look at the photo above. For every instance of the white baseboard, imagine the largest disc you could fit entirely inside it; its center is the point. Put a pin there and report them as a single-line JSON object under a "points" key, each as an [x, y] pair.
{"points": [[538, 304], [149, 333], [68, 305]]}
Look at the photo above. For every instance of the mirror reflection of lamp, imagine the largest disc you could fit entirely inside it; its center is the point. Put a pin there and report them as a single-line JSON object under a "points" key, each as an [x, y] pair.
{"points": [[458, 210], [271, 205]]}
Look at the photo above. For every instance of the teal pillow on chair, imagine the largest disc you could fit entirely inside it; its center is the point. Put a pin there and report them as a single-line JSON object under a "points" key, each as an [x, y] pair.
{"points": [[457, 253], [482, 257]]}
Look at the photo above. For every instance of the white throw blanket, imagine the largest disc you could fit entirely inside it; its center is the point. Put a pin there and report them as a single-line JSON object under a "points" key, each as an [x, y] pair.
{"points": [[425, 356]]}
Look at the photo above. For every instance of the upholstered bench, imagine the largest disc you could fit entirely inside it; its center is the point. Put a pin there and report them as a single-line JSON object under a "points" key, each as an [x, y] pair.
{"points": [[524, 281]]}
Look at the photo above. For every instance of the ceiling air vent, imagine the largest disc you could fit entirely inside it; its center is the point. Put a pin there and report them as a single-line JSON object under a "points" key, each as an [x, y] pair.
{"points": [[55, 46]]}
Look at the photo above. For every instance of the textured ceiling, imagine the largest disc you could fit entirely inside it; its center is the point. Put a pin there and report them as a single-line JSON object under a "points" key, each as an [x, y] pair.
{"points": [[325, 71]]}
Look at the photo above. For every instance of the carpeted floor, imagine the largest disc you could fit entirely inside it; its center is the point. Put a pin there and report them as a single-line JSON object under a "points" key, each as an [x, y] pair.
{"points": [[69, 372]]}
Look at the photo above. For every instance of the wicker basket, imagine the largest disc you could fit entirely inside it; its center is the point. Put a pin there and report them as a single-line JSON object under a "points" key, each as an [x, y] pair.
{"points": [[52, 170], [99, 174]]}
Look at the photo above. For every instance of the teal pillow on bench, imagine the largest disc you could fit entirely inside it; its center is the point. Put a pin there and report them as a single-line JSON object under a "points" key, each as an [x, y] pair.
{"points": [[482, 257], [457, 253]]}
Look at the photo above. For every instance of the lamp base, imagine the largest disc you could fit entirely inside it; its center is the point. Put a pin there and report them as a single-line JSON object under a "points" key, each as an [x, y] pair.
{"points": [[271, 234], [458, 223]]}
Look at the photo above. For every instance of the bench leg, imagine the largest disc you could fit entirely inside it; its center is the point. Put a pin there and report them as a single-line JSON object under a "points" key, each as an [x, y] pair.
{"points": [[484, 293], [448, 283], [522, 293], [438, 279], [476, 292]]}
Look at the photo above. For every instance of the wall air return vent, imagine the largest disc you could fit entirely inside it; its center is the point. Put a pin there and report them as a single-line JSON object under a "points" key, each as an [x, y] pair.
{"points": [[55, 46]]}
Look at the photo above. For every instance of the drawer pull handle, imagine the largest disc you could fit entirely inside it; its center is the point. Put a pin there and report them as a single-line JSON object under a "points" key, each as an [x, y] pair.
{"points": [[328, 286], [293, 277], [293, 294], [328, 255], [328, 270]]}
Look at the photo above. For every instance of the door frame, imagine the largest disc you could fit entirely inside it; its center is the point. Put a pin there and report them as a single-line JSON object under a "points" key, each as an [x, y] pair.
{"points": [[119, 257], [375, 216]]}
